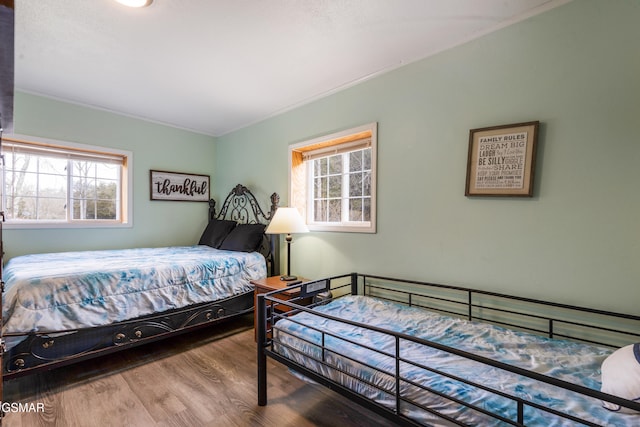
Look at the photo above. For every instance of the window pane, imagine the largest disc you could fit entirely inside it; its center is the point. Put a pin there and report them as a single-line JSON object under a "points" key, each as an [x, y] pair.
{"points": [[335, 210], [106, 209], [24, 208], [335, 186], [355, 184], [96, 197], [20, 184], [320, 210], [323, 166], [366, 209], [52, 185], [355, 210], [83, 169], [335, 164], [366, 154], [83, 188], [50, 208], [24, 163], [107, 171], [322, 188], [32, 208], [53, 166], [84, 209], [355, 161], [9, 207], [366, 184], [107, 190]]}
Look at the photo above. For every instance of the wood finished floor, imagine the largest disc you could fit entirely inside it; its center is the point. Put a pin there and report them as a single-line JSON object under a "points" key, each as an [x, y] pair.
{"points": [[205, 378]]}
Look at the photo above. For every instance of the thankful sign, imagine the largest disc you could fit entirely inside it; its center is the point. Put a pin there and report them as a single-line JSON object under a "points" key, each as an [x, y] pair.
{"points": [[179, 186]]}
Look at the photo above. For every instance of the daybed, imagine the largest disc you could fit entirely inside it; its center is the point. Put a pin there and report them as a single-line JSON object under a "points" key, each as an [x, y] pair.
{"points": [[65, 307], [427, 354]]}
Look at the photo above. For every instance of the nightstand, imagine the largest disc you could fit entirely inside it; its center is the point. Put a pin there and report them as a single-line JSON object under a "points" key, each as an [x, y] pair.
{"points": [[273, 283]]}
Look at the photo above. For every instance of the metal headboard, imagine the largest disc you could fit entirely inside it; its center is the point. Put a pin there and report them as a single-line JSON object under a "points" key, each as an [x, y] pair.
{"points": [[241, 206]]}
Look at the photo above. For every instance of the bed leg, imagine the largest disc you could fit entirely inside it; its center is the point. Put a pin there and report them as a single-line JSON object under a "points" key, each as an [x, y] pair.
{"points": [[262, 358], [354, 283]]}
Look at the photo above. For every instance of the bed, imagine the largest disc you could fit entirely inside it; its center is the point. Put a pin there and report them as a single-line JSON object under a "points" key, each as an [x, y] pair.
{"points": [[60, 308], [429, 354]]}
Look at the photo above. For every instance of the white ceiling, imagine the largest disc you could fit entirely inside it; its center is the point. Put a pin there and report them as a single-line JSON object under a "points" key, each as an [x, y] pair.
{"points": [[214, 66]]}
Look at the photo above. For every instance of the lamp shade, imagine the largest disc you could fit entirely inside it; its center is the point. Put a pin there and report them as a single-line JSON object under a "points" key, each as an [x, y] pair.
{"points": [[286, 221]]}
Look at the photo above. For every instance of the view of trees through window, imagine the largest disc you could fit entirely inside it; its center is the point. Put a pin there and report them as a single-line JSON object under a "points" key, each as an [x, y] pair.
{"points": [[332, 180], [342, 187], [40, 187]]}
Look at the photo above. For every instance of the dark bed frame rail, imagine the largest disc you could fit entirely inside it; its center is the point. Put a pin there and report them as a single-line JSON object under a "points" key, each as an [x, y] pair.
{"points": [[47, 350], [474, 305], [582, 324], [53, 349]]}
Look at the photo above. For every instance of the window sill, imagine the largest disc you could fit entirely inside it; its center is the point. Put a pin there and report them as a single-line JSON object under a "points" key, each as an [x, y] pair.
{"points": [[346, 228], [54, 225]]}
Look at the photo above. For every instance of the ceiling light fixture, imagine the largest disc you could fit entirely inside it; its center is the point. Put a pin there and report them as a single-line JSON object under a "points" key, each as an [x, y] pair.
{"points": [[135, 3]]}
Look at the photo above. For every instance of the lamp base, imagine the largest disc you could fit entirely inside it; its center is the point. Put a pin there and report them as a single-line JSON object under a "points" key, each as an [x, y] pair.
{"points": [[288, 278]]}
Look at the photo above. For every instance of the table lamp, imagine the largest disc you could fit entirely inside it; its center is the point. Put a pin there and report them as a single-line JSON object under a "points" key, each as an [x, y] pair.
{"points": [[287, 221]]}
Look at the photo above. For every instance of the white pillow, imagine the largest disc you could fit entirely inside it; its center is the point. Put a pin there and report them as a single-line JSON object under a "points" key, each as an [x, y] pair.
{"points": [[621, 376]]}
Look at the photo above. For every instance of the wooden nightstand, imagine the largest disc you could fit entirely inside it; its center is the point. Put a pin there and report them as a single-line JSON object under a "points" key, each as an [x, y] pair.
{"points": [[273, 283]]}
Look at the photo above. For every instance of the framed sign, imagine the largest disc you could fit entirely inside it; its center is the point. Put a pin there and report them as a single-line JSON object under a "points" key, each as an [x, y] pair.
{"points": [[502, 160], [179, 186]]}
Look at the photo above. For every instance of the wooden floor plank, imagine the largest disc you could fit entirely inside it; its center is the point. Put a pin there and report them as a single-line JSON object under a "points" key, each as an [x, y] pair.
{"points": [[204, 378], [160, 402]]}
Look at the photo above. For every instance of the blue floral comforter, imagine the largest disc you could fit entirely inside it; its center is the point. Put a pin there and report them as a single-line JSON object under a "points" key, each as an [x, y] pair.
{"points": [[60, 291], [372, 372]]}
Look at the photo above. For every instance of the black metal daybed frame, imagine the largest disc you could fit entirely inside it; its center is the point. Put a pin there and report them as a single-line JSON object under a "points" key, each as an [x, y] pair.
{"points": [[539, 317], [45, 351]]}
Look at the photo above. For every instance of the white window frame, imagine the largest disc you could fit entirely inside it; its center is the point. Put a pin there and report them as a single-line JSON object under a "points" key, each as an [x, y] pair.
{"points": [[301, 179], [125, 184]]}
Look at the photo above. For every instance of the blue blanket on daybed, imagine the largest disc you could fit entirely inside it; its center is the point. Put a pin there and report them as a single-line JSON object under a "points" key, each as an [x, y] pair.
{"points": [[369, 358]]}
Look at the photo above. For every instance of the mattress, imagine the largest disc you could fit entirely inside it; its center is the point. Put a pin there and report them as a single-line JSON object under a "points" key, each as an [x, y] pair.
{"points": [[69, 290], [369, 359]]}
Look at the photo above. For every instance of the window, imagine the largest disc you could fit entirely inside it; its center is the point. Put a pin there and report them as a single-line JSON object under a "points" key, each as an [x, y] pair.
{"points": [[332, 180], [61, 184]]}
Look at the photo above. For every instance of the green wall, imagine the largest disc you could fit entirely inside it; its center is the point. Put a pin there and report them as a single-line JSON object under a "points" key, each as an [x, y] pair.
{"points": [[577, 70], [154, 146]]}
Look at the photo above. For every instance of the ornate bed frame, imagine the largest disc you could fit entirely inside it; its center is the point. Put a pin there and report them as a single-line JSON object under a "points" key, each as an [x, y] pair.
{"points": [[44, 351], [241, 206], [539, 317]]}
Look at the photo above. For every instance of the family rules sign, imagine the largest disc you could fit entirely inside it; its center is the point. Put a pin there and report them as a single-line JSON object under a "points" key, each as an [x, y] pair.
{"points": [[501, 160]]}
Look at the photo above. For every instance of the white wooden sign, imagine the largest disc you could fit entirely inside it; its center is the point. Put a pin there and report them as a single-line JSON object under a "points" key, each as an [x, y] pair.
{"points": [[179, 186]]}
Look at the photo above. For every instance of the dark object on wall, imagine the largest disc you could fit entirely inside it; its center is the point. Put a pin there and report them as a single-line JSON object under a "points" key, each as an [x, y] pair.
{"points": [[6, 64], [502, 160]]}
